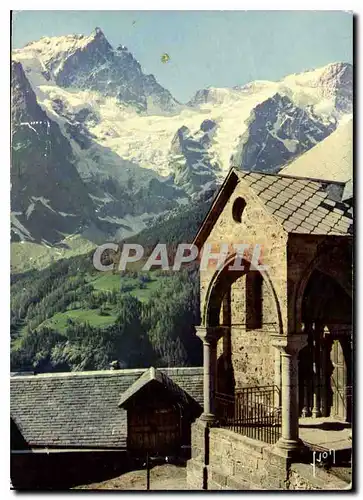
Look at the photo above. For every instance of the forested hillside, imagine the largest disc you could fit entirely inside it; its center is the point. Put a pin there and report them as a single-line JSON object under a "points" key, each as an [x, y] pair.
{"points": [[70, 316]]}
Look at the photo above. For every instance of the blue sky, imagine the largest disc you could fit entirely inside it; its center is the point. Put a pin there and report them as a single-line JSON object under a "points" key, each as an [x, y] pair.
{"points": [[207, 48]]}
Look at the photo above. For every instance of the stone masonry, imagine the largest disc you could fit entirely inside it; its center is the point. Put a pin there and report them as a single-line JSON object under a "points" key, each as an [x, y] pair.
{"points": [[239, 463], [253, 321]]}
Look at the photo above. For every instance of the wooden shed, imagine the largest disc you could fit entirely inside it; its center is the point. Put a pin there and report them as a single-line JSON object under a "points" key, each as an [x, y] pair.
{"points": [[159, 414]]}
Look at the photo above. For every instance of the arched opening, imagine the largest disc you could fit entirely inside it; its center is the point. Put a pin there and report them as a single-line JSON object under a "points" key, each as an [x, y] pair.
{"points": [[325, 368], [244, 303], [331, 261]]}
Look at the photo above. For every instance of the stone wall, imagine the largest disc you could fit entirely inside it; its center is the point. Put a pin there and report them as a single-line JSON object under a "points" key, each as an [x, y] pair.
{"points": [[235, 462], [252, 355], [248, 349], [253, 358], [257, 227], [197, 466], [301, 477], [249, 353]]}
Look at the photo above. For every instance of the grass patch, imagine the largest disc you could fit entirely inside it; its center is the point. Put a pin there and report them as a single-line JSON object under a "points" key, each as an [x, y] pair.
{"points": [[107, 282], [59, 321], [143, 294], [126, 284]]}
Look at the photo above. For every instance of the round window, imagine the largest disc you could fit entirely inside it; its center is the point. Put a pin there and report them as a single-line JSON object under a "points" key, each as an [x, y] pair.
{"points": [[238, 208]]}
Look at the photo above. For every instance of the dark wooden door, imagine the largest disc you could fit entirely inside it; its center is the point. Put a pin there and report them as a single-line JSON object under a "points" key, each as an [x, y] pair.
{"points": [[154, 430], [339, 382]]}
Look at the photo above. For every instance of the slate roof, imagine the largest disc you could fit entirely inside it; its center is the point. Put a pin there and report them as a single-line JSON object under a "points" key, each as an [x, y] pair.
{"points": [[303, 205], [80, 409]]}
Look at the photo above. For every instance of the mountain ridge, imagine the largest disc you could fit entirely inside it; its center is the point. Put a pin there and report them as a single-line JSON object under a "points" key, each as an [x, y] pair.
{"points": [[90, 63], [138, 152]]}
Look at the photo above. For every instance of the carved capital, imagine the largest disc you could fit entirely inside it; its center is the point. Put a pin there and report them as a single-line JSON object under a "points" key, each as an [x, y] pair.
{"points": [[290, 344], [210, 334]]}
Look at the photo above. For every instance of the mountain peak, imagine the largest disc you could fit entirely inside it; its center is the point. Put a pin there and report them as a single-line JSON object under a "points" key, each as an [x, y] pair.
{"points": [[91, 63], [319, 76], [278, 131], [98, 32], [333, 81], [58, 48], [97, 36]]}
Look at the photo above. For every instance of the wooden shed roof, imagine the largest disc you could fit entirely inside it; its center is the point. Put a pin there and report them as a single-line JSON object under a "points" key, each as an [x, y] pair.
{"points": [[154, 375]]}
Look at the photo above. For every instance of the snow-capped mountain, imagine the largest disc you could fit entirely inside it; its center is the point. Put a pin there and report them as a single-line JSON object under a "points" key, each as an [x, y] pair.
{"points": [[90, 63], [329, 89], [136, 152], [277, 132]]}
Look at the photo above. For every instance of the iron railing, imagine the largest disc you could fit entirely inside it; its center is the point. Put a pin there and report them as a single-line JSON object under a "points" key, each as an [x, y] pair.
{"points": [[253, 412]]}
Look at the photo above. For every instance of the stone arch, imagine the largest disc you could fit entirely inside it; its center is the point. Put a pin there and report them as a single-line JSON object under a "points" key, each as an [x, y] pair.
{"points": [[320, 301], [318, 263], [223, 278]]}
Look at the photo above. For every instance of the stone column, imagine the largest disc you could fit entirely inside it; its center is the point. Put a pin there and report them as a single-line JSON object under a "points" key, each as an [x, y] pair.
{"points": [[306, 412], [278, 377], [306, 369], [209, 336], [209, 360], [289, 346]]}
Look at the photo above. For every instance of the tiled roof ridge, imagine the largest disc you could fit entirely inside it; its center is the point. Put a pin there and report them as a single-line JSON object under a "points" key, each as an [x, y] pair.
{"points": [[107, 373], [161, 376], [302, 205], [91, 373], [296, 177]]}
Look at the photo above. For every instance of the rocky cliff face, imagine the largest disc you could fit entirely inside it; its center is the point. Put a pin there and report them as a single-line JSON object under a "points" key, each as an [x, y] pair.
{"points": [[337, 83], [192, 160], [48, 196], [51, 198], [329, 90], [277, 132]]}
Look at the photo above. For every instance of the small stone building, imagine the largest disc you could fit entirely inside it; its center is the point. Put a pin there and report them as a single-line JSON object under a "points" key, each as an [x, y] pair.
{"points": [[76, 427], [292, 301]]}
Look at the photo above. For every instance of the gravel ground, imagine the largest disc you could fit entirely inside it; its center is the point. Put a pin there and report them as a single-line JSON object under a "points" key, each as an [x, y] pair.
{"points": [[162, 477]]}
